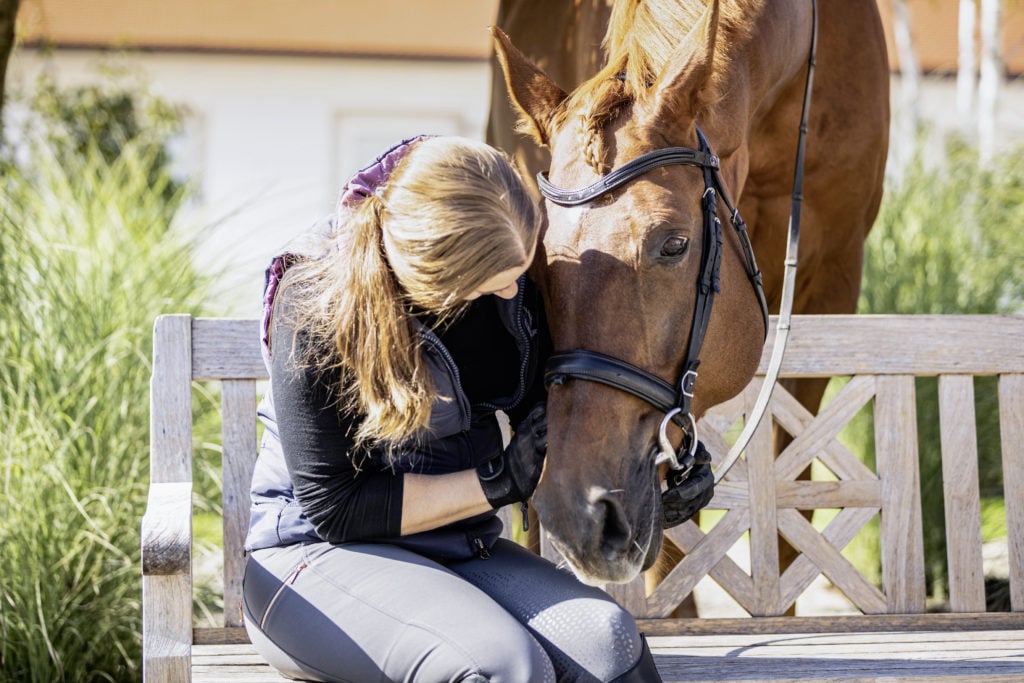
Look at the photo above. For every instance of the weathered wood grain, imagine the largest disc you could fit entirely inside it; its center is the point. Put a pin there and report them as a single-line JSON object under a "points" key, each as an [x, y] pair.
{"points": [[882, 353], [170, 403], [960, 493], [238, 457], [764, 527], [706, 556], [167, 529], [1011, 431], [836, 345], [839, 532], [815, 435], [226, 348], [166, 628], [901, 525]]}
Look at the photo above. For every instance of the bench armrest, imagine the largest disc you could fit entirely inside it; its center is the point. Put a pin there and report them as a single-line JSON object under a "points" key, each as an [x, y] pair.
{"points": [[167, 530]]}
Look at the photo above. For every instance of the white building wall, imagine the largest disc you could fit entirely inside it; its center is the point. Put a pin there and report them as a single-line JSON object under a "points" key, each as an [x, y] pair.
{"points": [[269, 140]]}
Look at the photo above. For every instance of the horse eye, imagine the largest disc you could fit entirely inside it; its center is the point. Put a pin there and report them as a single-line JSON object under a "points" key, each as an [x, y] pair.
{"points": [[675, 246]]}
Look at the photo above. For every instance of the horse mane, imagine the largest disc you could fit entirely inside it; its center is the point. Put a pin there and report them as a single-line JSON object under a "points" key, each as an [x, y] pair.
{"points": [[640, 39]]}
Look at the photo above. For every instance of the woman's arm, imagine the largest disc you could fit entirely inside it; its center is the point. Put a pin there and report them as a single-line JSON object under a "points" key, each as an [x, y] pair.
{"points": [[346, 500], [430, 501]]}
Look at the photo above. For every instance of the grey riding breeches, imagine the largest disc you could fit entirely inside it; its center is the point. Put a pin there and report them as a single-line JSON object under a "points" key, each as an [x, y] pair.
{"points": [[360, 613]]}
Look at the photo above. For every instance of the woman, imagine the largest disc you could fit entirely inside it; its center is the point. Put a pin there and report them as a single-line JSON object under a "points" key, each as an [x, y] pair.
{"points": [[393, 340]]}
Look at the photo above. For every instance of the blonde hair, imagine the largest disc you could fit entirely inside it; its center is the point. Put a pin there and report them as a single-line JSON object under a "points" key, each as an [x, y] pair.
{"points": [[453, 214]]}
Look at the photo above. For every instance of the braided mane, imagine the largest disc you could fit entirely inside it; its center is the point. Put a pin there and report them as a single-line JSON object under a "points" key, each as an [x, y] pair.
{"points": [[642, 36]]}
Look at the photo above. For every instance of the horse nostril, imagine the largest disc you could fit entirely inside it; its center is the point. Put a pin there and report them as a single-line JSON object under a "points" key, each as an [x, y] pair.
{"points": [[615, 533]]}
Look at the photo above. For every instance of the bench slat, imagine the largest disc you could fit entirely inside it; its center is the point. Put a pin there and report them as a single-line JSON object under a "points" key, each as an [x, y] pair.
{"points": [[227, 348], [960, 491], [764, 537], [238, 409], [901, 527], [170, 406], [819, 346], [801, 656], [835, 345], [1011, 432]]}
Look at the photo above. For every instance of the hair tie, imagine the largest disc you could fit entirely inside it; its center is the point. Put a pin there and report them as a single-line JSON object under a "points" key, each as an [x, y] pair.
{"points": [[371, 179]]}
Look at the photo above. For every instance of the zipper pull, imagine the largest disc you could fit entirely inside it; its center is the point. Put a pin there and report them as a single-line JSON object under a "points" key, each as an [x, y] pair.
{"points": [[524, 508], [481, 549], [295, 574]]}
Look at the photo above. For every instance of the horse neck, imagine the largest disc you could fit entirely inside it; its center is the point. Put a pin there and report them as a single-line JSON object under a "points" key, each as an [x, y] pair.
{"points": [[759, 69]]}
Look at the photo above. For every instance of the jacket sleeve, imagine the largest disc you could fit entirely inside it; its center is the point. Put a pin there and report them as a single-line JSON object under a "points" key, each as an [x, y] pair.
{"points": [[344, 499]]}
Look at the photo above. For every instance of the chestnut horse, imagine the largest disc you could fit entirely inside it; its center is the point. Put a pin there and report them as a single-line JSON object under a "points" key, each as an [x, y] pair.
{"points": [[620, 272]]}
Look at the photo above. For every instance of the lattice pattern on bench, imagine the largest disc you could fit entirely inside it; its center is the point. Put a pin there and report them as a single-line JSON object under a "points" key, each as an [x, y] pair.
{"points": [[761, 495]]}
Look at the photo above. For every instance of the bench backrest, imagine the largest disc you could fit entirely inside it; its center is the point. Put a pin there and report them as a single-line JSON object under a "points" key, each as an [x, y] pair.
{"points": [[882, 355], [187, 350]]}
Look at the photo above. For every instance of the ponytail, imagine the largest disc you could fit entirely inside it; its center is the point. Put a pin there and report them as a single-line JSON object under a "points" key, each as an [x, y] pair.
{"points": [[391, 383], [353, 310]]}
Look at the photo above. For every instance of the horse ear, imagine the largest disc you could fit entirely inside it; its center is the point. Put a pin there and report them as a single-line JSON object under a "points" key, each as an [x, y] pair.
{"points": [[684, 87], [533, 94]]}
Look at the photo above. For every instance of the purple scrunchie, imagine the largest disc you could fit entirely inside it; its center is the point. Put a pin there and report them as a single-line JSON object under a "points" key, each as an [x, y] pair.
{"points": [[368, 179]]}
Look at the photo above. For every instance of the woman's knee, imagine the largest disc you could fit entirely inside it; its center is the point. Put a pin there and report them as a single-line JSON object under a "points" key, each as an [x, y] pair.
{"points": [[592, 639], [620, 639]]}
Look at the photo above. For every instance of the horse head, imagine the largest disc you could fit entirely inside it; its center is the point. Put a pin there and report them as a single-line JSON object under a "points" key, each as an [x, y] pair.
{"points": [[620, 273]]}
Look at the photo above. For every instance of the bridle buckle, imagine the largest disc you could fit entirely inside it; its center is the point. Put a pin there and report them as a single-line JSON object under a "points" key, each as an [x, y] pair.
{"points": [[687, 382]]}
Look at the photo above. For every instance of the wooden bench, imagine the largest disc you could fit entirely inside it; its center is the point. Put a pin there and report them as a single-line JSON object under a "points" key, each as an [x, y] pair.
{"points": [[891, 638]]}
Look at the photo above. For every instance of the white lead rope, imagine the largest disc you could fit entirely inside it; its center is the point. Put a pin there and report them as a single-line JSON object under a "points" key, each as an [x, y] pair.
{"points": [[789, 277]]}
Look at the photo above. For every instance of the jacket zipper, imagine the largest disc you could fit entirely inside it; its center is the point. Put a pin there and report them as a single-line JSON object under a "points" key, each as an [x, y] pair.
{"points": [[523, 344], [284, 584], [481, 549], [430, 338]]}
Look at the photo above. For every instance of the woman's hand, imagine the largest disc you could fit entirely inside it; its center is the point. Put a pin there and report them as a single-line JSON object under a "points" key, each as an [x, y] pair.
{"points": [[686, 496], [512, 476], [507, 476]]}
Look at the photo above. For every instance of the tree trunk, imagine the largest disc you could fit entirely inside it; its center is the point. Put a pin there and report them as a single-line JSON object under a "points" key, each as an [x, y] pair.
{"points": [[8, 12], [967, 65], [910, 78], [991, 78]]}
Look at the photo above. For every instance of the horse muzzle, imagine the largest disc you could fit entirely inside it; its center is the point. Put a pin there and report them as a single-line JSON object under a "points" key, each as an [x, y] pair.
{"points": [[609, 537]]}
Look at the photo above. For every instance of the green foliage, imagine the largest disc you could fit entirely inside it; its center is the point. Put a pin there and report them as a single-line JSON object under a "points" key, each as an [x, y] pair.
{"points": [[946, 241], [89, 255], [101, 118]]}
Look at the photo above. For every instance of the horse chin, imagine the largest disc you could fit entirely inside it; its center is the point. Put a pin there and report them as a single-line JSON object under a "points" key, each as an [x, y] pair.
{"points": [[602, 569]]}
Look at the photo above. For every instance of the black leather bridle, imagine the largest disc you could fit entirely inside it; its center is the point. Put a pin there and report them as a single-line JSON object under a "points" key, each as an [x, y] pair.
{"points": [[673, 401]]}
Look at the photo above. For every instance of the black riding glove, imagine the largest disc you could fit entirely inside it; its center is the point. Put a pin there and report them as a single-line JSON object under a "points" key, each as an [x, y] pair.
{"points": [[512, 475], [686, 495]]}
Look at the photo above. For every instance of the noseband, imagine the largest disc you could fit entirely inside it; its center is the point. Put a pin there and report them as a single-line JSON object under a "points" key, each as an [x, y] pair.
{"points": [[673, 401]]}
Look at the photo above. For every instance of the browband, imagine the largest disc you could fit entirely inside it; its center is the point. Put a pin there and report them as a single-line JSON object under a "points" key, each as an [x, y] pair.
{"points": [[667, 156]]}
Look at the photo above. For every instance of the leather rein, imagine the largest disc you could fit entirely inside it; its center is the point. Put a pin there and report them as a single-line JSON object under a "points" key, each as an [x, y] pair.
{"points": [[675, 401]]}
